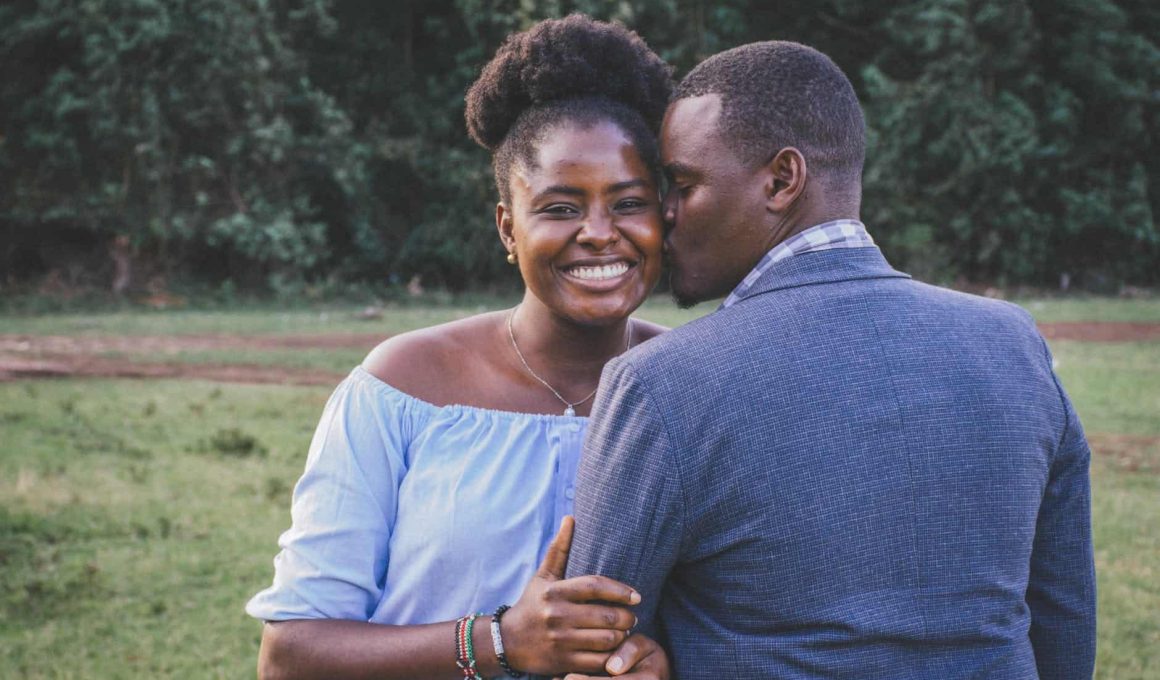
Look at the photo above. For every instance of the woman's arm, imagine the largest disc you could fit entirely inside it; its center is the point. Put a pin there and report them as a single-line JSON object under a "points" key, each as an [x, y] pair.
{"points": [[331, 648], [353, 649], [556, 626]]}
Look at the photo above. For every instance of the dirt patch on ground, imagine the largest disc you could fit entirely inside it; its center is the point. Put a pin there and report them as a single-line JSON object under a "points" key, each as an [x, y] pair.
{"points": [[97, 367], [1101, 332], [1132, 453], [173, 344], [63, 356]]}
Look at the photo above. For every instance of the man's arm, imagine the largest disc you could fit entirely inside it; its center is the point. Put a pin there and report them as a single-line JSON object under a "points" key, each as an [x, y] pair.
{"points": [[629, 497], [1061, 591]]}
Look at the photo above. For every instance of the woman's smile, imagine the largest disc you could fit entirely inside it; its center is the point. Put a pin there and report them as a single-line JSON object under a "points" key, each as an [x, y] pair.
{"points": [[600, 276]]}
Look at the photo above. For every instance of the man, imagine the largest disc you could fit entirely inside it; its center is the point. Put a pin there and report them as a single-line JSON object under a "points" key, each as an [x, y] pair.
{"points": [[842, 473]]}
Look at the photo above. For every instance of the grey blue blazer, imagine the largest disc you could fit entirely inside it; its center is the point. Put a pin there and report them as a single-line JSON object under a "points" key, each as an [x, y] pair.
{"points": [[847, 474]]}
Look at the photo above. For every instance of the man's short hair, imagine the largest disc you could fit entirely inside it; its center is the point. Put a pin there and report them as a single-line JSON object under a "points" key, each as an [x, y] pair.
{"points": [[779, 94]]}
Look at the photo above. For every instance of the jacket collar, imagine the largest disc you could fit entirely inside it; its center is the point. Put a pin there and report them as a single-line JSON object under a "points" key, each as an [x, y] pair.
{"points": [[827, 266]]}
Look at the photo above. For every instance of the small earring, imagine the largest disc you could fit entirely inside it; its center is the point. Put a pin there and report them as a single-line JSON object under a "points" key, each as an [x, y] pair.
{"points": [[511, 258]]}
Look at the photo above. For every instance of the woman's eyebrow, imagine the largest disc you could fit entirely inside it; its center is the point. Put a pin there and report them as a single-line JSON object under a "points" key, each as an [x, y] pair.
{"points": [[627, 184], [559, 189]]}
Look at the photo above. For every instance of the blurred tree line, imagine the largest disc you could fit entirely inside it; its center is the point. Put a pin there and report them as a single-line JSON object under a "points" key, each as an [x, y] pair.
{"points": [[272, 142]]}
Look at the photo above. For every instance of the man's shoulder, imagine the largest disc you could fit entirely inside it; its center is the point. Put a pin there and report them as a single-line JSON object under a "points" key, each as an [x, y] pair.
{"points": [[676, 346], [959, 303], [784, 322], [690, 359]]}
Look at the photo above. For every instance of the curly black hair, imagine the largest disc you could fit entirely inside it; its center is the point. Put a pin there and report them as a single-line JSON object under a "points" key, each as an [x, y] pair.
{"points": [[575, 70], [778, 94]]}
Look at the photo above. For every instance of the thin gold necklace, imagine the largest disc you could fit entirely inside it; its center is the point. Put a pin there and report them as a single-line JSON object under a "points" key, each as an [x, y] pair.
{"points": [[569, 406]]}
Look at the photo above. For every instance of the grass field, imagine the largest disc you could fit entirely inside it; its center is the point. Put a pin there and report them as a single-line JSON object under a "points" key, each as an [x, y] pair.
{"points": [[399, 317], [136, 517]]}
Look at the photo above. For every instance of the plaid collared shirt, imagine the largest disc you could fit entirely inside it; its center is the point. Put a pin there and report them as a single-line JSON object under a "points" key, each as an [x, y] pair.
{"points": [[836, 234]]}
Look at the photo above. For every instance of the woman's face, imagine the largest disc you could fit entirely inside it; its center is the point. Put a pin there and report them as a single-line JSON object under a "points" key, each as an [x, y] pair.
{"points": [[585, 224]]}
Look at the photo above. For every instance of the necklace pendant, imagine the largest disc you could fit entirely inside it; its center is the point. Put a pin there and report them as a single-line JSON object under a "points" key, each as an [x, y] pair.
{"points": [[569, 411]]}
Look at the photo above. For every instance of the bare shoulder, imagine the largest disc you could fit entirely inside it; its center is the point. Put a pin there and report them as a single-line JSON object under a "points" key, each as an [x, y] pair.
{"points": [[431, 363], [645, 330]]}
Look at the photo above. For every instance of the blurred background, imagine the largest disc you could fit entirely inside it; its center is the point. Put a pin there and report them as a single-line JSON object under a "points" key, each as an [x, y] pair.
{"points": [[210, 210], [278, 145]]}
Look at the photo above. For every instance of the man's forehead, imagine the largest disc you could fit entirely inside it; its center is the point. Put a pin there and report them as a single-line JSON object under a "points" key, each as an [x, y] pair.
{"points": [[693, 112], [690, 129]]}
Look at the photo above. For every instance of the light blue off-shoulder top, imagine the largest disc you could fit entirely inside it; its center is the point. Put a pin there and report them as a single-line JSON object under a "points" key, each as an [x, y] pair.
{"points": [[411, 513]]}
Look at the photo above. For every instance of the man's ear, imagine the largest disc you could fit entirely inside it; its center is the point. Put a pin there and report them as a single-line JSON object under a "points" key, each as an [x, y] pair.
{"points": [[503, 224], [786, 176]]}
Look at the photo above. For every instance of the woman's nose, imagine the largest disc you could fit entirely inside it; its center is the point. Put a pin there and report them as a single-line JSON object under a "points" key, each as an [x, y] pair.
{"points": [[599, 230]]}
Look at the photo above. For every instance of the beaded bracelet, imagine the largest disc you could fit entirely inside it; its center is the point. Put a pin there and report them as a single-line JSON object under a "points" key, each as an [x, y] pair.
{"points": [[465, 648], [497, 643]]}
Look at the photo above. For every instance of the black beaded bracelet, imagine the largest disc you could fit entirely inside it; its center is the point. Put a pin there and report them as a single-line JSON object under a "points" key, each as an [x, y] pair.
{"points": [[497, 643]]}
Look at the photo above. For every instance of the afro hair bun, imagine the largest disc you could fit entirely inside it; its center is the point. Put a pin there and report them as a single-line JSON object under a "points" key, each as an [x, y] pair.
{"points": [[568, 58]]}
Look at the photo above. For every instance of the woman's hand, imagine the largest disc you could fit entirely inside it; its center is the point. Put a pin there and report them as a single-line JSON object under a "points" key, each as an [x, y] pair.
{"points": [[638, 658], [563, 623]]}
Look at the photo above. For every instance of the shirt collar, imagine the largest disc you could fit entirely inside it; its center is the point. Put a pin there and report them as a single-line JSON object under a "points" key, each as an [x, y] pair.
{"points": [[825, 236]]}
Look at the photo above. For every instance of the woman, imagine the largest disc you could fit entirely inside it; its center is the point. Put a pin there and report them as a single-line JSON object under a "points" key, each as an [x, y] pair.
{"points": [[443, 464]]}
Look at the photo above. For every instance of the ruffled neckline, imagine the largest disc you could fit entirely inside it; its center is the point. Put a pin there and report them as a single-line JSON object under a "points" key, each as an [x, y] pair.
{"points": [[361, 374]]}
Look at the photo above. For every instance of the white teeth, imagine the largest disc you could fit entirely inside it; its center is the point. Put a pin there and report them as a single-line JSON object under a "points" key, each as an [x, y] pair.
{"points": [[608, 271]]}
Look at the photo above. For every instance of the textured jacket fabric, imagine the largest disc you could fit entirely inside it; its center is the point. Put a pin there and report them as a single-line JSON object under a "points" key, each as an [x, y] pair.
{"points": [[847, 474]]}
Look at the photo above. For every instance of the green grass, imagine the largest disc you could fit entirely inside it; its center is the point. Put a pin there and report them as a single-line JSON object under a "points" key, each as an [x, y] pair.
{"points": [[1115, 386], [399, 317], [1116, 391], [131, 535], [396, 318], [136, 517], [1090, 308], [339, 360], [1125, 519], [259, 321]]}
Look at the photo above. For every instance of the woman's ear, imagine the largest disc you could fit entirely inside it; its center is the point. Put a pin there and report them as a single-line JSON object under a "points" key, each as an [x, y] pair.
{"points": [[503, 224], [786, 176]]}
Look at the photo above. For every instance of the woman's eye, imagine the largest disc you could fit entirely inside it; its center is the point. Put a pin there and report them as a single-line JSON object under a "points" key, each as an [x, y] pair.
{"points": [[560, 210], [632, 204]]}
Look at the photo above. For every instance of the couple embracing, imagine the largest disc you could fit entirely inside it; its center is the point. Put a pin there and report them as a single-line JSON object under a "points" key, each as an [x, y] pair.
{"points": [[840, 473]]}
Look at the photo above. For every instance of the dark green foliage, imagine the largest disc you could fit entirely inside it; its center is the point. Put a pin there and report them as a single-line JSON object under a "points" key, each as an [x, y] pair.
{"points": [[1015, 140], [189, 127], [277, 142]]}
